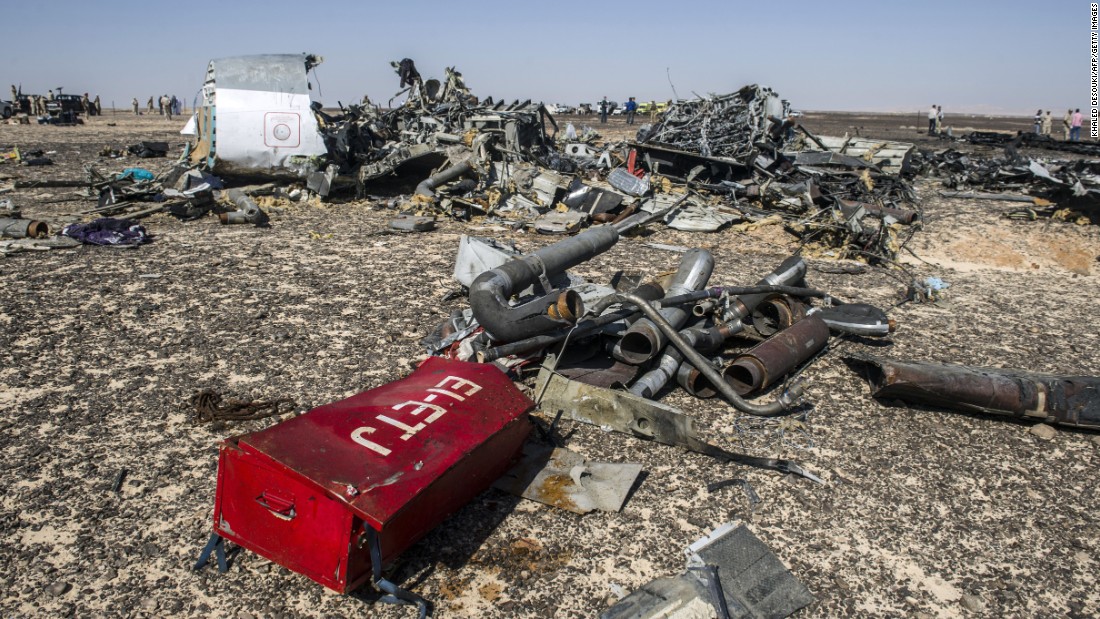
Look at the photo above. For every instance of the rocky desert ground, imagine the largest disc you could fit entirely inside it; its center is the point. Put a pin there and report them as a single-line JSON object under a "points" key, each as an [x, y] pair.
{"points": [[924, 513]]}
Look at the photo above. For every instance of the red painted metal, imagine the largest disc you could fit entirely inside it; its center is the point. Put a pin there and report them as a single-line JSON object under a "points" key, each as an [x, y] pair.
{"points": [[399, 458]]}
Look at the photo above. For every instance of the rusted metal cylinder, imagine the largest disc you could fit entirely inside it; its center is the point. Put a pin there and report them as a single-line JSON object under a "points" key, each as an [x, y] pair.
{"points": [[693, 381], [776, 313], [789, 273], [773, 358], [643, 340], [23, 228], [1065, 400]]}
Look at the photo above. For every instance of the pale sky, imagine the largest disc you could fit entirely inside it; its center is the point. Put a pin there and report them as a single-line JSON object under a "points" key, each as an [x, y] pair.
{"points": [[996, 57]]}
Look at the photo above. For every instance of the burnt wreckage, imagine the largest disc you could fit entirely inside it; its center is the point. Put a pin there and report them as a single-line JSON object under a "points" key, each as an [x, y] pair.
{"points": [[738, 157]]}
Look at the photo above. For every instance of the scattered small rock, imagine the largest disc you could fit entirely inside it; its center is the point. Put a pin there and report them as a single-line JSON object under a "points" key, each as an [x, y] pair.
{"points": [[149, 604], [58, 588], [1043, 431], [972, 603], [910, 600], [1096, 440]]}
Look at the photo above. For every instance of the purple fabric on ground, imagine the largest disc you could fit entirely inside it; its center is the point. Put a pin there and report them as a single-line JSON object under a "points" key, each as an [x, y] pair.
{"points": [[108, 231]]}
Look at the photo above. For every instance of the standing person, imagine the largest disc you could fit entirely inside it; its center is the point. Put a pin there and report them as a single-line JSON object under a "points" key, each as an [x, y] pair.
{"points": [[96, 106], [603, 111], [1046, 123], [175, 105], [652, 112], [86, 104], [166, 104], [14, 95], [1065, 124], [939, 119], [631, 107], [1038, 121], [51, 95], [932, 113], [1075, 126], [134, 104]]}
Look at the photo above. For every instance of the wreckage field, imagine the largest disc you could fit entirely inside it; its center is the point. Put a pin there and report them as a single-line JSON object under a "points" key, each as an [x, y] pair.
{"points": [[112, 469]]}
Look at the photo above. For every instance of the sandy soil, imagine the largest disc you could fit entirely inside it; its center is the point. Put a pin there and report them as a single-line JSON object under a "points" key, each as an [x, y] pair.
{"points": [[924, 514]]}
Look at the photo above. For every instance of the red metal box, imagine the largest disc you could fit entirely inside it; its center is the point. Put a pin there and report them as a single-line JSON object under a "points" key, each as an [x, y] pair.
{"points": [[399, 458]]}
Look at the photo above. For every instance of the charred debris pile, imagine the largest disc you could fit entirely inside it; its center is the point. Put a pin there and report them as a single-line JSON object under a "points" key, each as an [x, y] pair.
{"points": [[1067, 189], [716, 161]]}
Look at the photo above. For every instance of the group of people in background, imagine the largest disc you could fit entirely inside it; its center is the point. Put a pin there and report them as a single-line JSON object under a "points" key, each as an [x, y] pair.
{"points": [[167, 106], [1071, 124], [1043, 122]]}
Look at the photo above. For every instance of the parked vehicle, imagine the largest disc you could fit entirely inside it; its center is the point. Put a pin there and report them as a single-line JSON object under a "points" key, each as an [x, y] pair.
{"points": [[644, 107], [67, 103], [6, 109]]}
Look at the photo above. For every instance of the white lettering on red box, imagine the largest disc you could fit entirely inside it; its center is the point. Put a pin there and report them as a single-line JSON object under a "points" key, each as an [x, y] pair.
{"points": [[459, 390]]}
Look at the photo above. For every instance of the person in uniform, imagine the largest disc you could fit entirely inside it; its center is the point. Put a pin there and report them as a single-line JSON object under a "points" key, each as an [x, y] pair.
{"points": [[96, 106], [134, 103]]}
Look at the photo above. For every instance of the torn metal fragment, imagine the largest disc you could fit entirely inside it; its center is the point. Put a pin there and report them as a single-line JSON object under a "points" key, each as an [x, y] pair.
{"points": [[627, 413], [730, 573], [563, 478]]}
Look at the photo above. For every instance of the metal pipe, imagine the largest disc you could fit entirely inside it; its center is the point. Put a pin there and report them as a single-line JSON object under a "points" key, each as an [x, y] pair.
{"points": [[705, 307], [428, 186], [248, 212], [23, 228], [789, 273], [693, 381], [781, 403], [717, 292], [1066, 400], [775, 313], [643, 340], [671, 361], [648, 291], [489, 293], [773, 358]]}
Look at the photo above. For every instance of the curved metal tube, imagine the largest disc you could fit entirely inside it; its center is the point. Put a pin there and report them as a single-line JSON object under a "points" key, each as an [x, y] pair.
{"points": [[783, 402], [643, 340], [649, 291], [489, 293], [427, 186]]}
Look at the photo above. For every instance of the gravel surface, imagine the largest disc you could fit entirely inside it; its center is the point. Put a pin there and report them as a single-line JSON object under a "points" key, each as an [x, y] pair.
{"points": [[924, 513]]}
